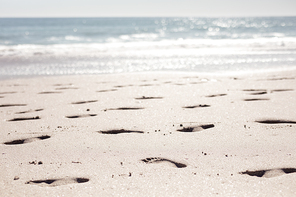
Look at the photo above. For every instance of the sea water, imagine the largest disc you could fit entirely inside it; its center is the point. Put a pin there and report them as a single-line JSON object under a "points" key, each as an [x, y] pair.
{"points": [[66, 46]]}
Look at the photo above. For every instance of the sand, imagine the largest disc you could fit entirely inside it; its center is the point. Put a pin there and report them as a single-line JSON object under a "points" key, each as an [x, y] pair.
{"points": [[149, 134]]}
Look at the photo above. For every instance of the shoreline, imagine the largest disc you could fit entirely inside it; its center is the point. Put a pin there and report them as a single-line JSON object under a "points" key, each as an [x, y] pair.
{"points": [[285, 71], [149, 134]]}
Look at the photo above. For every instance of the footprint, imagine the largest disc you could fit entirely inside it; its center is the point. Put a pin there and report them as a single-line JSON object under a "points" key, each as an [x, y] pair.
{"points": [[196, 106], [67, 88], [281, 78], [24, 119], [119, 131], [110, 90], [123, 86], [255, 90], [125, 108], [68, 84], [257, 99], [8, 92], [179, 84], [276, 121], [50, 92], [258, 93], [145, 85], [216, 95], [197, 82], [23, 112], [270, 172], [159, 159], [57, 182], [81, 116], [13, 105], [84, 102], [281, 90], [26, 140], [146, 98], [197, 128], [264, 91]]}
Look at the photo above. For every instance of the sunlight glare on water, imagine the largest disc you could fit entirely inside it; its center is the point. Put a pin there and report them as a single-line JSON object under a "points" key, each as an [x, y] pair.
{"points": [[111, 45]]}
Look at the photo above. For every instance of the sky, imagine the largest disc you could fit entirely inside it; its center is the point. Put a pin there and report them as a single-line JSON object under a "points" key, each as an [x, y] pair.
{"points": [[146, 8]]}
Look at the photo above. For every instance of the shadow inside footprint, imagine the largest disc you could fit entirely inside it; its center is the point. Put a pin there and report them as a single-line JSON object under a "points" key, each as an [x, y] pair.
{"points": [[69, 84], [84, 102], [67, 88], [125, 108], [12, 105], [216, 95], [57, 182], [50, 92], [280, 78], [24, 112], [8, 92], [270, 121], [255, 90], [43, 137], [257, 99], [27, 140], [81, 116], [119, 131], [196, 106], [197, 128], [110, 90], [281, 90], [15, 142], [147, 98], [159, 159], [269, 173], [23, 119], [258, 93]]}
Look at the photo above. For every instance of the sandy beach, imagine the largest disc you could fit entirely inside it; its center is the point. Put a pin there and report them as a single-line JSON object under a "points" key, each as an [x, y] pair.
{"points": [[149, 134]]}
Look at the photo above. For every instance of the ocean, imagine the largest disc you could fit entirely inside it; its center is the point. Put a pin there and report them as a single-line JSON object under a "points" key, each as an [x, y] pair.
{"points": [[71, 46]]}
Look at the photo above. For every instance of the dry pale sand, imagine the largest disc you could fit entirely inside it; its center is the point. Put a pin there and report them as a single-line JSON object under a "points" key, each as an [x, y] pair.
{"points": [[149, 134]]}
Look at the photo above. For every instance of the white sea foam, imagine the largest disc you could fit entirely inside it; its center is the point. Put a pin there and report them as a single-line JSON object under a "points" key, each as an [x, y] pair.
{"points": [[76, 38], [202, 46]]}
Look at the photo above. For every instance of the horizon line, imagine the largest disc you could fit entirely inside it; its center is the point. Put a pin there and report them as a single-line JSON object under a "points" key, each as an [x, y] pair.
{"points": [[265, 16]]}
